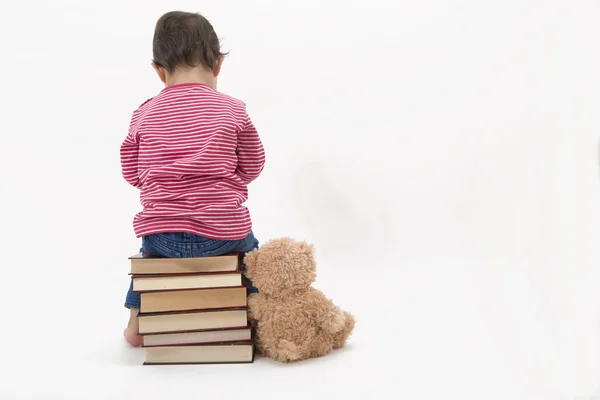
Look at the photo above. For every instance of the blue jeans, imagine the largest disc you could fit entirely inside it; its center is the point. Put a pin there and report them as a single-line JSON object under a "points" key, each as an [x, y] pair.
{"points": [[181, 245]]}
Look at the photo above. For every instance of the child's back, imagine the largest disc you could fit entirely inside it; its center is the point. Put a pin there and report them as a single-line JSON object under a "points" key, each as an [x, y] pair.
{"points": [[191, 151]]}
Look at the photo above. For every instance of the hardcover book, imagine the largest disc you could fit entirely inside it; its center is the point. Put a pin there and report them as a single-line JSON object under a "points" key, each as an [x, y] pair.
{"points": [[192, 320], [198, 337], [150, 283], [143, 264], [216, 353], [193, 299]]}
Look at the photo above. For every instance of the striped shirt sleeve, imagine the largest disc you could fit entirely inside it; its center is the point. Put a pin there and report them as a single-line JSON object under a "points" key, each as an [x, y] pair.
{"points": [[129, 158], [250, 152]]}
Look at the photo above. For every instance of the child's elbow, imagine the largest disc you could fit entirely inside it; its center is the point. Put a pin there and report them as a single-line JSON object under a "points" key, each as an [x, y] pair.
{"points": [[246, 178], [133, 180], [248, 175], [135, 183]]}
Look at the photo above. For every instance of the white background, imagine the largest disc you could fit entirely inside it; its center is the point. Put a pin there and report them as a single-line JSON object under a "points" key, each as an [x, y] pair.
{"points": [[442, 156]]}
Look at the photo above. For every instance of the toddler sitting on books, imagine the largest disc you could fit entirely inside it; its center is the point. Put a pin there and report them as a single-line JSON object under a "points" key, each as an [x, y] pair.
{"points": [[191, 151]]}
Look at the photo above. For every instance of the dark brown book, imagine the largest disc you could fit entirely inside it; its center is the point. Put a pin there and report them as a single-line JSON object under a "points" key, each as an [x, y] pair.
{"points": [[143, 264], [203, 280], [206, 336], [216, 353], [193, 299], [182, 321]]}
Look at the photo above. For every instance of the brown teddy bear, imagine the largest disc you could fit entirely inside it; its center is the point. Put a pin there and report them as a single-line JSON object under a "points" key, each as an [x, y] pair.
{"points": [[293, 320]]}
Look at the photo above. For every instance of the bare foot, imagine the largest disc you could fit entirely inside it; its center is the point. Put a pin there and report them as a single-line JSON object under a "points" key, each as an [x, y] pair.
{"points": [[132, 338], [131, 332]]}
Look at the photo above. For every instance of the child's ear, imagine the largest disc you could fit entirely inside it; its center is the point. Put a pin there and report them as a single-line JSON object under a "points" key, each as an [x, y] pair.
{"points": [[160, 71], [218, 65]]}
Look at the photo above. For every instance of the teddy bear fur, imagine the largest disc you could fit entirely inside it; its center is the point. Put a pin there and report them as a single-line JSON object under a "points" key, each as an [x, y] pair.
{"points": [[293, 320]]}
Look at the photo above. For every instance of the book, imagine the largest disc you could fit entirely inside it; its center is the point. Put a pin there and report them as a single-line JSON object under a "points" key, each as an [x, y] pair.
{"points": [[193, 299], [198, 337], [142, 264], [147, 283], [217, 353], [191, 321]]}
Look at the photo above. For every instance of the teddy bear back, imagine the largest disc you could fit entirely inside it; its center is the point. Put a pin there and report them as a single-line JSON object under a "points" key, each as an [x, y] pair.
{"points": [[281, 267]]}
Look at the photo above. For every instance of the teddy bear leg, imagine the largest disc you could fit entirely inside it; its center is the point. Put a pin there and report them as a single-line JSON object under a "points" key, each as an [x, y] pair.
{"points": [[321, 346], [339, 339], [286, 351]]}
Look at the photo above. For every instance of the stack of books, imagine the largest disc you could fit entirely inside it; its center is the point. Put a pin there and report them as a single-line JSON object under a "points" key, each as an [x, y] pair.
{"points": [[193, 310]]}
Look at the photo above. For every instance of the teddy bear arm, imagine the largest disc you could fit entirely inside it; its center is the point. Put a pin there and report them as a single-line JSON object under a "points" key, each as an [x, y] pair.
{"points": [[255, 306]]}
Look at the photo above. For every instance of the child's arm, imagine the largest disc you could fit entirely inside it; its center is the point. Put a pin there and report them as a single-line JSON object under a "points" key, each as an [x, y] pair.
{"points": [[250, 152], [129, 159]]}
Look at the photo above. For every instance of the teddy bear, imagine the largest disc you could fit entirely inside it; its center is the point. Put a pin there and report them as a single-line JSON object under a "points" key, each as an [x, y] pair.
{"points": [[293, 320]]}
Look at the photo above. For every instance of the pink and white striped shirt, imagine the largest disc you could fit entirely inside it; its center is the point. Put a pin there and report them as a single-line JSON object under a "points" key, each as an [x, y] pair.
{"points": [[192, 151]]}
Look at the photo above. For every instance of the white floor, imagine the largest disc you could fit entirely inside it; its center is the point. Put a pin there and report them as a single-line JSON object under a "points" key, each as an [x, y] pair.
{"points": [[427, 330]]}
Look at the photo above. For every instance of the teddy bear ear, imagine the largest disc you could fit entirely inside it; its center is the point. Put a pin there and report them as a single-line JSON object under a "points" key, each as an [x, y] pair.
{"points": [[308, 249]]}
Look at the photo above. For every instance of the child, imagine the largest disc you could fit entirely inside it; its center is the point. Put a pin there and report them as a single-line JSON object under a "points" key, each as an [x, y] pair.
{"points": [[191, 151]]}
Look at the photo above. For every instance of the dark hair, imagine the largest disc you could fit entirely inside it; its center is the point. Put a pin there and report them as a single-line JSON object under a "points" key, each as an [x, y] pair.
{"points": [[183, 38]]}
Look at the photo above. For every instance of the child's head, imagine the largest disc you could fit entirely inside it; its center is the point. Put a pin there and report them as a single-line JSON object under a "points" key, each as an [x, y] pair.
{"points": [[186, 48]]}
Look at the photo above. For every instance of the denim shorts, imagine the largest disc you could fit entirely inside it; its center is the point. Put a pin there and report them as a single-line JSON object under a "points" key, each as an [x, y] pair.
{"points": [[183, 245]]}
